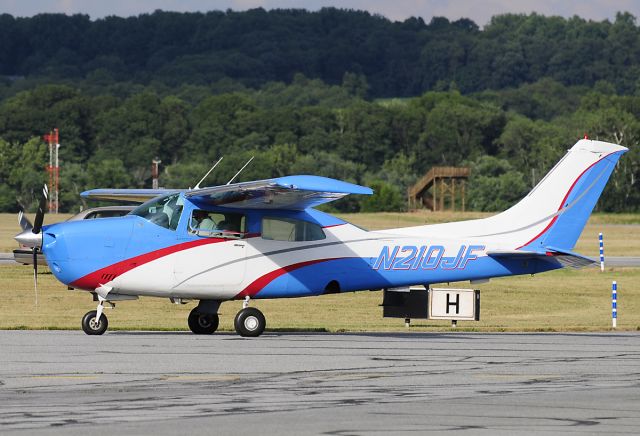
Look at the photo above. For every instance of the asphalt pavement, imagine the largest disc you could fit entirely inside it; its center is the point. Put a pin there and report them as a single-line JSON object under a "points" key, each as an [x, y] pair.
{"points": [[6, 259], [64, 382]]}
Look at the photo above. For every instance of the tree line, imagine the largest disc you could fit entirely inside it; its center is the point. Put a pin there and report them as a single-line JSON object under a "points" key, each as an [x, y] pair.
{"points": [[255, 47], [509, 137]]}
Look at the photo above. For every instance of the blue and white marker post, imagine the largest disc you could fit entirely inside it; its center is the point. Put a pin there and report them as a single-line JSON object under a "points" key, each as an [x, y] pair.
{"points": [[601, 252], [614, 304]]}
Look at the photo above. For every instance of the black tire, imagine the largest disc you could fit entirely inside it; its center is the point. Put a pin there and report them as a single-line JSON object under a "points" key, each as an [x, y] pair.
{"points": [[203, 323], [89, 325], [250, 322]]}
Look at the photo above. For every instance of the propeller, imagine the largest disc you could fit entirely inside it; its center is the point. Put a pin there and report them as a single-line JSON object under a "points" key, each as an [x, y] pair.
{"points": [[30, 235], [37, 223], [24, 222]]}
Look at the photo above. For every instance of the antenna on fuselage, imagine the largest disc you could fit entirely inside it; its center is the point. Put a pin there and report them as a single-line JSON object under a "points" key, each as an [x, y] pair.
{"points": [[245, 165], [208, 172]]}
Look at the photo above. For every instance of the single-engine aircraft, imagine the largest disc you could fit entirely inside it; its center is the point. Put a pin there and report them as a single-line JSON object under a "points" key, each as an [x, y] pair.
{"points": [[264, 239]]}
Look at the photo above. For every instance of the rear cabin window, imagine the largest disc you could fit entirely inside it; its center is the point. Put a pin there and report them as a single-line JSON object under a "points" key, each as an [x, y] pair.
{"points": [[289, 229]]}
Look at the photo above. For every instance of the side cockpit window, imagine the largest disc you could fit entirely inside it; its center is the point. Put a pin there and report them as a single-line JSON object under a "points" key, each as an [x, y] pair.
{"points": [[217, 225], [290, 229], [164, 211]]}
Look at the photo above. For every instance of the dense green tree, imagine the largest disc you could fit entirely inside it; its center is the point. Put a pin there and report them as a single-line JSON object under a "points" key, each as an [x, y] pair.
{"points": [[26, 174], [494, 184], [367, 55], [457, 128], [385, 198]]}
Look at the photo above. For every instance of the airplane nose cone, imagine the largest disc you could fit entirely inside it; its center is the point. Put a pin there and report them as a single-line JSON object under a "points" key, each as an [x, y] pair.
{"points": [[29, 239]]}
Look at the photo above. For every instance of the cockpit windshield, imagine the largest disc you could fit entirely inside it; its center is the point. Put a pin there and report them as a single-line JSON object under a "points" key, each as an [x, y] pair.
{"points": [[164, 211]]}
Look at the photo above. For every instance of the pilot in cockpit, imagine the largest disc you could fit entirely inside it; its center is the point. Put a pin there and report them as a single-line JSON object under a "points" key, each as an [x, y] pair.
{"points": [[201, 220]]}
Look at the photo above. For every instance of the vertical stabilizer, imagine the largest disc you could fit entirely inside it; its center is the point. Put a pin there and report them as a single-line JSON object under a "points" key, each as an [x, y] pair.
{"points": [[553, 214], [579, 178]]}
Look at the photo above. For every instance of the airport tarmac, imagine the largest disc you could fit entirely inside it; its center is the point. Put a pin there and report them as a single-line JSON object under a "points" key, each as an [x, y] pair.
{"points": [[7, 258], [64, 382]]}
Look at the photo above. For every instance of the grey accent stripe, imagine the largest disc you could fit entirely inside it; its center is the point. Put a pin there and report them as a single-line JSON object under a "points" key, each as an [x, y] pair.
{"points": [[271, 253]]}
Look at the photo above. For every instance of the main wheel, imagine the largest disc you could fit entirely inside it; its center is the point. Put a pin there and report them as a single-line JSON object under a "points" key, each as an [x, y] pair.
{"points": [[203, 323], [250, 322], [91, 327]]}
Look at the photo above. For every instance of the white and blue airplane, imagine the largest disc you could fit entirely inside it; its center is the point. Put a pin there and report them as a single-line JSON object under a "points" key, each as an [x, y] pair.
{"points": [[264, 239]]}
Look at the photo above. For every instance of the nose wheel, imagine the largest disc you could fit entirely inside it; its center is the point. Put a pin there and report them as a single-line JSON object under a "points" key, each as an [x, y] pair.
{"points": [[92, 325], [250, 322]]}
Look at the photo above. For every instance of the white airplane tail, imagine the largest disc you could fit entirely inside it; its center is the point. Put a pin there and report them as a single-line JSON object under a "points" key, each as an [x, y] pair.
{"points": [[552, 216]]}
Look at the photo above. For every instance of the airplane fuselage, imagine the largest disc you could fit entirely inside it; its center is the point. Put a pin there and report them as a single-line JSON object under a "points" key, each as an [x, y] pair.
{"points": [[134, 256]]}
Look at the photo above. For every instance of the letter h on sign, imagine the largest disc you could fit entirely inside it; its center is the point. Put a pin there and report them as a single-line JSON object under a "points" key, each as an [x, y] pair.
{"points": [[456, 303]]}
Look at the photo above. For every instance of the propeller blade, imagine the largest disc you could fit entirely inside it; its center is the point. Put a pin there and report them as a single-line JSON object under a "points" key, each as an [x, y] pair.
{"points": [[35, 272], [24, 222], [37, 224]]}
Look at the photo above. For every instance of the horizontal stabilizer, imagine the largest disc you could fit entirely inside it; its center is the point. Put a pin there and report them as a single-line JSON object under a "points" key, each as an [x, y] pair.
{"points": [[564, 257], [570, 258]]}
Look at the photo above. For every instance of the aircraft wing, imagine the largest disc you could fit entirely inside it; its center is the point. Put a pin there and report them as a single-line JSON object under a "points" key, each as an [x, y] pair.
{"points": [[132, 195], [290, 192]]}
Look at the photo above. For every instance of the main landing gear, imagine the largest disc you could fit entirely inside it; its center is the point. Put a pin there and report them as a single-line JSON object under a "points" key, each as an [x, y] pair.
{"points": [[204, 320], [203, 323], [249, 322]]}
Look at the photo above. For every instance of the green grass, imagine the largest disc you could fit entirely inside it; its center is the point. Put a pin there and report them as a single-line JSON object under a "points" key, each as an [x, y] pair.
{"points": [[566, 300]]}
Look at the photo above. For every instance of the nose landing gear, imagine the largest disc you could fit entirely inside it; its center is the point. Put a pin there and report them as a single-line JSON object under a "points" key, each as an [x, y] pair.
{"points": [[95, 322], [92, 325]]}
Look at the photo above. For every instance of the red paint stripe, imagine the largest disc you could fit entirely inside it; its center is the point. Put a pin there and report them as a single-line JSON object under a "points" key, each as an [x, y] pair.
{"points": [[334, 225], [259, 284], [563, 200], [93, 280]]}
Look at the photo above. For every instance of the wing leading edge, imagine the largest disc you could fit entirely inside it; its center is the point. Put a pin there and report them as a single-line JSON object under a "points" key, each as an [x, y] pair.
{"points": [[290, 192], [131, 195]]}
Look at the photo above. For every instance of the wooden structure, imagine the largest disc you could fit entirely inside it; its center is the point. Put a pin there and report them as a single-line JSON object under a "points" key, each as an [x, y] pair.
{"points": [[440, 188]]}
